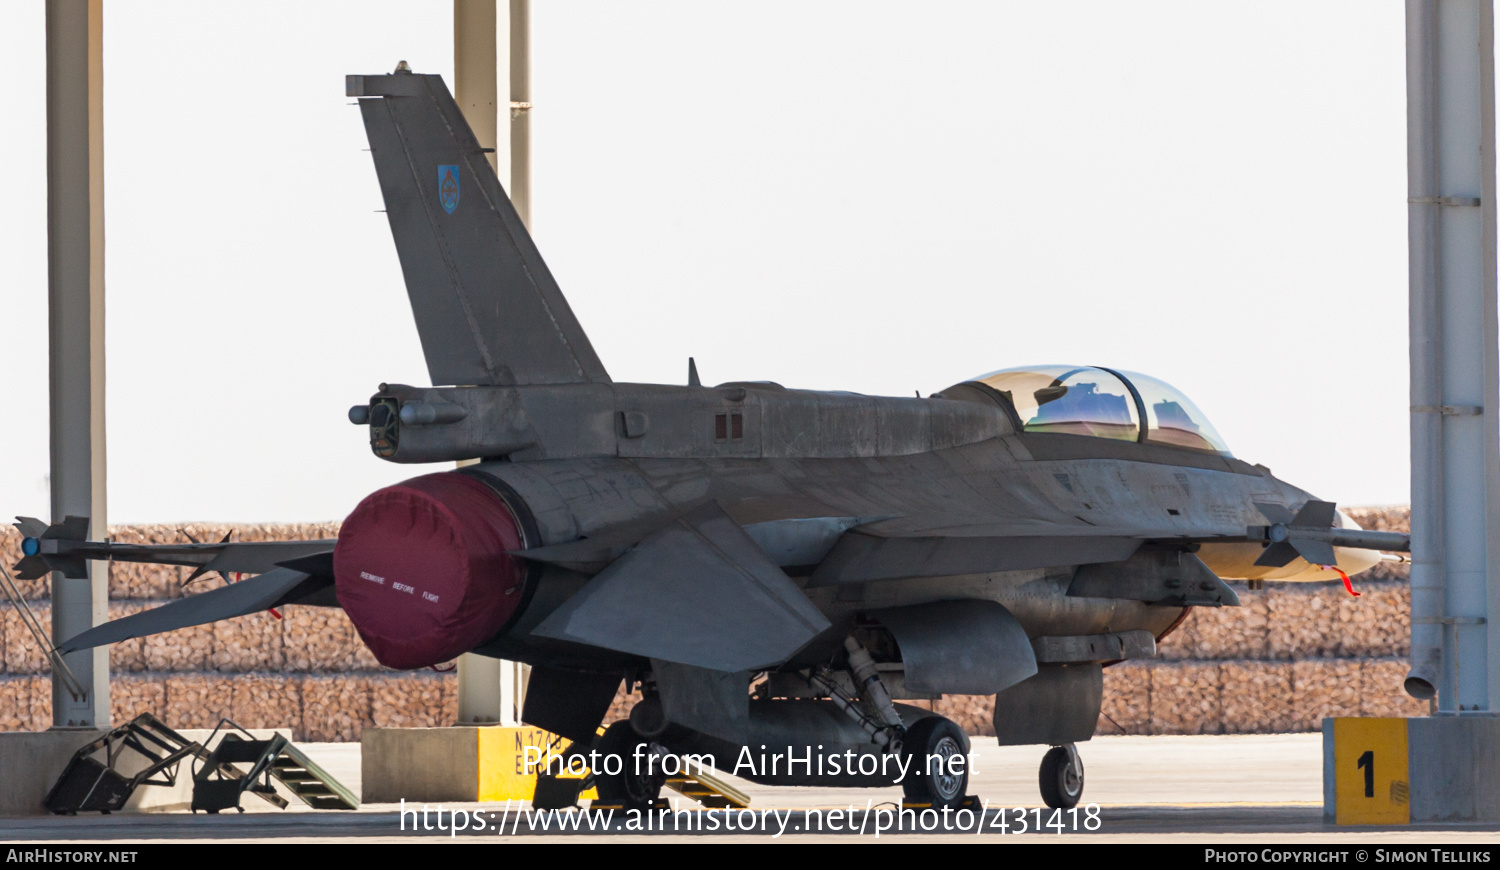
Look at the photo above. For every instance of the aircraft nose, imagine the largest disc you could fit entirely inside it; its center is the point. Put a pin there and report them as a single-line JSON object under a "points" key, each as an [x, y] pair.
{"points": [[423, 568]]}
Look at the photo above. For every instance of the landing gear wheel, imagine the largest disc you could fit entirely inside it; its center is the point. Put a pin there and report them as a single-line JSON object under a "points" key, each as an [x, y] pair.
{"points": [[1061, 777], [932, 775], [631, 789]]}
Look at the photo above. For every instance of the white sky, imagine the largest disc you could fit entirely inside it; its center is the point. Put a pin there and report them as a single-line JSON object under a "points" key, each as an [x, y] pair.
{"points": [[874, 196]]}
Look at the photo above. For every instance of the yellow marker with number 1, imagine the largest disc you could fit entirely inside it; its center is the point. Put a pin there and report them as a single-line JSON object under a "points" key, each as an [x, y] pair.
{"points": [[1371, 785]]}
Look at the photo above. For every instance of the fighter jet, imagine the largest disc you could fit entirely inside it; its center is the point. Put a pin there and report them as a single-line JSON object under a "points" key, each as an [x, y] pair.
{"points": [[774, 568]]}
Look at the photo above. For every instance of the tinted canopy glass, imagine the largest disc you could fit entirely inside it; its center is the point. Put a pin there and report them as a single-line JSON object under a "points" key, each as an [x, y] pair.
{"points": [[1171, 418], [1072, 400], [1086, 400]]}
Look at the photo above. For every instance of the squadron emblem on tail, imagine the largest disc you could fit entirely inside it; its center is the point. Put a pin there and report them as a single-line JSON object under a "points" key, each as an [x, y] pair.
{"points": [[448, 188]]}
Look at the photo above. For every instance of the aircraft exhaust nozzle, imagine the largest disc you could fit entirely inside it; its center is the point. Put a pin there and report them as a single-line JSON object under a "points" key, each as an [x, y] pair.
{"points": [[423, 568]]}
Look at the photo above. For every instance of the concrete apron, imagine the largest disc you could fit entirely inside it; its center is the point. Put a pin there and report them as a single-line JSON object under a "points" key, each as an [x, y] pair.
{"points": [[31, 762]]}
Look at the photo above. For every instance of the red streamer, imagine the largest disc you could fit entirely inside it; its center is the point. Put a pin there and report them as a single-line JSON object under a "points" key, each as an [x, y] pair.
{"points": [[1348, 586]]}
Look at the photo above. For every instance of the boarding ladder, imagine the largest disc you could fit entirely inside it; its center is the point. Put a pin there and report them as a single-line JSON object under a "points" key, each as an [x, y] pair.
{"points": [[709, 791], [219, 785]]}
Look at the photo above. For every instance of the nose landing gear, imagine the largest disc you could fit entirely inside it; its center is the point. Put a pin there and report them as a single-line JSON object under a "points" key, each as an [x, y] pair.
{"points": [[1061, 777]]}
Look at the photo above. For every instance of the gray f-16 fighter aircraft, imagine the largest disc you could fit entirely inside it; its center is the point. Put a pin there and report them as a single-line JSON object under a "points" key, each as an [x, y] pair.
{"points": [[776, 569]]}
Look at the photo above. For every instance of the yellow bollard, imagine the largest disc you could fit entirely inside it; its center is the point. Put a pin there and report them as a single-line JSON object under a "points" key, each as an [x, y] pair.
{"points": [[503, 762]]}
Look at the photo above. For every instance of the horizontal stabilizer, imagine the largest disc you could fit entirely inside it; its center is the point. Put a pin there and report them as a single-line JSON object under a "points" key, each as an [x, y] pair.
{"points": [[271, 589], [697, 592], [862, 558], [488, 310]]}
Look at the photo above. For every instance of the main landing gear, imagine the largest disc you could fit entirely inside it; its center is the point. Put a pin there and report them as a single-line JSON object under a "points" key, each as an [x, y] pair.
{"points": [[932, 745], [629, 788], [1061, 777]]}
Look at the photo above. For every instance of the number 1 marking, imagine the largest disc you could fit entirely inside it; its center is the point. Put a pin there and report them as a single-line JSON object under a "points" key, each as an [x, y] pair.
{"points": [[1367, 762]]}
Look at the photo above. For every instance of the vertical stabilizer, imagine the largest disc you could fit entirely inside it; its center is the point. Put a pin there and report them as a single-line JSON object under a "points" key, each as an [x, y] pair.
{"points": [[488, 311]]}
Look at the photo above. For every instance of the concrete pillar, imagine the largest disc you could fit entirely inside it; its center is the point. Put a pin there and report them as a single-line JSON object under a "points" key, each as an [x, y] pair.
{"points": [[1455, 366], [488, 689], [75, 320], [476, 84], [520, 108], [513, 685]]}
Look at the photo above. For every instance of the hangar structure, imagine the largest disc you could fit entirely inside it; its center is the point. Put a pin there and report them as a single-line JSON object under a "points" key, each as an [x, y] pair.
{"points": [[490, 691], [1454, 339]]}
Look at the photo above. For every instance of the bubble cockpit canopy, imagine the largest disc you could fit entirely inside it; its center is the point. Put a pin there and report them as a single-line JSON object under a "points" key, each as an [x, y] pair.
{"points": [[1103, 403]]}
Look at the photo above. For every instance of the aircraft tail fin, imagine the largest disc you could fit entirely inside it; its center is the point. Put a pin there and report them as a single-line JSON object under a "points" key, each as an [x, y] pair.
{"points": [[487, 309]]}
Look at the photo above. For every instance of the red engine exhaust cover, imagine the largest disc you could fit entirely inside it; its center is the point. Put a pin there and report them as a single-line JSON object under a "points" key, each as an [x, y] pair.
{"points": [[422, 568]]}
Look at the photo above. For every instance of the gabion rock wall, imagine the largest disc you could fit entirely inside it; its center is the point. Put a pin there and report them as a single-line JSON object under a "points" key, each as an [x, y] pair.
{"points": [[1292, 654]]}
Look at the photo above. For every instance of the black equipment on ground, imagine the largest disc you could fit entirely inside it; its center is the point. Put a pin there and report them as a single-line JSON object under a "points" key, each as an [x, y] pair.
{"points": [[219, 785], [100, 786]]}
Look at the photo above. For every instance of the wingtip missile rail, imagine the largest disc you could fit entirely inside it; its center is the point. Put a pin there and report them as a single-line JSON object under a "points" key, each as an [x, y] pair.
{"points": [[1310, 534], [65, 547]]}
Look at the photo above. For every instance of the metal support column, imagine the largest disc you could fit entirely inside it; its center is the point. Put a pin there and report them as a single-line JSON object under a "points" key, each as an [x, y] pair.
{"points": [[489, 690], [513, 680], [520, 108], [1455, 367], [75, 327]]}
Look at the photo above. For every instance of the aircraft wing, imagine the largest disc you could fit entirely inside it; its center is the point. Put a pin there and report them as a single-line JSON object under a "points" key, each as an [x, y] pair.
{"points": [[838, 550], [899, 547], [860, 557]]}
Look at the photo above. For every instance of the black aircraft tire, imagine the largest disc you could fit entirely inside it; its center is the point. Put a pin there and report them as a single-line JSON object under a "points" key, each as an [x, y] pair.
{"points": [[628, 789], [1061, 784], [935, 736]]}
